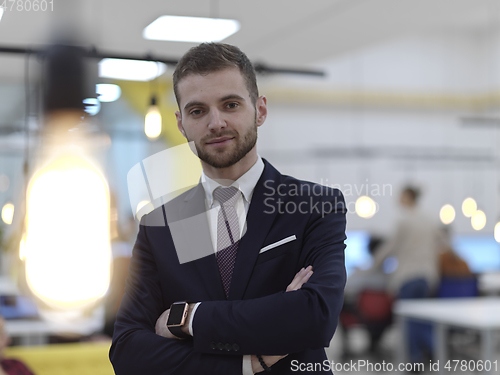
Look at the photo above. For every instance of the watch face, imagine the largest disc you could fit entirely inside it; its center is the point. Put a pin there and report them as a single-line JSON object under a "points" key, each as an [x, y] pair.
{"points": [[175, 318]]}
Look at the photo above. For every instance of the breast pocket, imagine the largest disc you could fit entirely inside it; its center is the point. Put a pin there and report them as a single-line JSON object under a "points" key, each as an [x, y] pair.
{"points": [[288, 245]]}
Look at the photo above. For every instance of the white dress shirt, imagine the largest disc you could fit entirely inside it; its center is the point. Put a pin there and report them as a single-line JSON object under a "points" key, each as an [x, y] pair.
{"points": [[246, 184]]}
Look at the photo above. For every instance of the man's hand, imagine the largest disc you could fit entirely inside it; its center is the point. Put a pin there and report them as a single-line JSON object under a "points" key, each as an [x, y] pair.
{"points": [[300, 279], [161, 324]]}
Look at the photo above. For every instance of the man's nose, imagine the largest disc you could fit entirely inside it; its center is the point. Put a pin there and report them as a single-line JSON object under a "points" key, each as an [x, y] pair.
{"points": [[216, 120]]}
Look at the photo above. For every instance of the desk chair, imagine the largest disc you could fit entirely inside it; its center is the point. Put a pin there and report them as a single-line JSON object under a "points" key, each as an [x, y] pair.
{"points": [[373, 311]]}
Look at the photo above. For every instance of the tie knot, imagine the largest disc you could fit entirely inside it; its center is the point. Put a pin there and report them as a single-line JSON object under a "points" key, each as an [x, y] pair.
{"points": [[227, 195]]}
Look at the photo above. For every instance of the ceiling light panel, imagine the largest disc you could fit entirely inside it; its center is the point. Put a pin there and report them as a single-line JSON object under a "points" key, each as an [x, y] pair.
{"points": [[131, 70], [108, 92], [190, 29]]}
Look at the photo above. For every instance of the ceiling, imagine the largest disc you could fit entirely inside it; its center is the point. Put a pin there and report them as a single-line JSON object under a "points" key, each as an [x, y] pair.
{"points": [[281, 33], [284, 33]]}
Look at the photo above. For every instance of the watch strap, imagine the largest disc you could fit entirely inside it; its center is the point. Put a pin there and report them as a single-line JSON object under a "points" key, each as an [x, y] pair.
{"points": [[177, 331]]}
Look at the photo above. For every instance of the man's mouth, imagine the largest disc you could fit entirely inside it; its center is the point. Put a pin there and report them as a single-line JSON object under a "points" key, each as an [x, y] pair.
{"points": [[220, 141]]}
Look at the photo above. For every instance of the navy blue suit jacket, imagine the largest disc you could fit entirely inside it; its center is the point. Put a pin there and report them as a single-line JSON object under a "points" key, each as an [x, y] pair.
{"points": [[258, 317]]}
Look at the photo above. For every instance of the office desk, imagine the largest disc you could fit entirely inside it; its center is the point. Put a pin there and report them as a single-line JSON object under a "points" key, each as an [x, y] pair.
{"points": [[37, 332], [482, 314]]}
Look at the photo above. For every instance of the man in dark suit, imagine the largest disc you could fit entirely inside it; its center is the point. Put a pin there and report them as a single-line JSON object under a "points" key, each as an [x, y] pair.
{"points": [[245, 272]]}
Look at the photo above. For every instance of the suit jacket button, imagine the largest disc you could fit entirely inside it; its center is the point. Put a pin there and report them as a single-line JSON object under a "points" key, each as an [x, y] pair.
{"points": [[228, 347], [236, 347], [220, 346], [213, 345]]}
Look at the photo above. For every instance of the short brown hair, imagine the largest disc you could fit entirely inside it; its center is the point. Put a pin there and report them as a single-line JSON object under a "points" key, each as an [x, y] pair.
{"points": [[211, 57]]}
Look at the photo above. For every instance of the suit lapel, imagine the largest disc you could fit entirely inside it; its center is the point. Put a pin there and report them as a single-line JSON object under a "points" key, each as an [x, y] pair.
{"points": [[259, 221]]}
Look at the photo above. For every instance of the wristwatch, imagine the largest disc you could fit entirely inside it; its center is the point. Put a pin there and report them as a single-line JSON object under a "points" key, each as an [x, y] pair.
{"points": [[177, 318]]}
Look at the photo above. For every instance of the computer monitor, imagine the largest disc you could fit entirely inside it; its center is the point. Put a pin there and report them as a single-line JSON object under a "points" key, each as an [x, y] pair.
{"points": [[481, 252], [17, 307], [357, 254]]}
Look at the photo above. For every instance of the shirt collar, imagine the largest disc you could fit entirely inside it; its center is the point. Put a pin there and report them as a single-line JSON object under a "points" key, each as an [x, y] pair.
{"points": [[246, 183]]}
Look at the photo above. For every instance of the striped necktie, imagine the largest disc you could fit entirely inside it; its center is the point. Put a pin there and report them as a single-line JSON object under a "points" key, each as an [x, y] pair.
{"points": [[228, 233]]}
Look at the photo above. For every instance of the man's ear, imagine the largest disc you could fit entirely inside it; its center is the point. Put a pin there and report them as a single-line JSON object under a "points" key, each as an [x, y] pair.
{"points": [[261, 108], [178, 117]]}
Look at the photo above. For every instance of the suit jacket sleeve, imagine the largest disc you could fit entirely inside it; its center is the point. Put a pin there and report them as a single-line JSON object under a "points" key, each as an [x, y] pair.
{"points": [[136, 349], [289, 322]]}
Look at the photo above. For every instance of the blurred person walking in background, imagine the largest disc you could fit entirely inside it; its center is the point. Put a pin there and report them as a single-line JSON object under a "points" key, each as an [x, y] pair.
{"points": [[416, 244]]}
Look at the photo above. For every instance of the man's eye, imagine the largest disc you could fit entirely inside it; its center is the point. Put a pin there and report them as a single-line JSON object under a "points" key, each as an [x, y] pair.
{"points": [[195, 112], [232, 105]]}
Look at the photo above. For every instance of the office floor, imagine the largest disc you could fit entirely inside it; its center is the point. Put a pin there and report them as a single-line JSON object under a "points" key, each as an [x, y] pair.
{"points": [[366, 364]]}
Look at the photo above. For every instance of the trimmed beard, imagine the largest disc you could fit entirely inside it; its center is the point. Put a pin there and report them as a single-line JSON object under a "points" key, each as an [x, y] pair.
{"points": [[224, 158]]}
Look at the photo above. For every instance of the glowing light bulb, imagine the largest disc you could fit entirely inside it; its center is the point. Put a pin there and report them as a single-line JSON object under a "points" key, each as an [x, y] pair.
{"points": [[478, 220], [8, 213], [152, 123], [365, 207], [67, 244], [469, 206], [497, 232], [447, 214]]}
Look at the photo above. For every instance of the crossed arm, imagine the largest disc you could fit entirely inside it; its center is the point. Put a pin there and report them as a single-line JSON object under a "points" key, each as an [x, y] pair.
{"points": [[161, 324], [295, 321]]}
